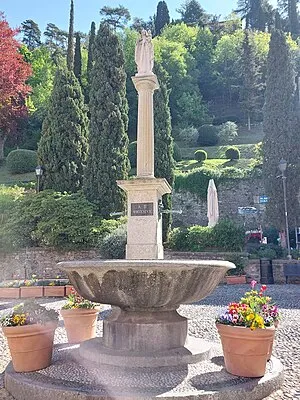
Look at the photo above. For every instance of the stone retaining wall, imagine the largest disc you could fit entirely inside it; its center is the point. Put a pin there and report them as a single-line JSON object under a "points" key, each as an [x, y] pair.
{"points": [[42, 262], [231, 195]]}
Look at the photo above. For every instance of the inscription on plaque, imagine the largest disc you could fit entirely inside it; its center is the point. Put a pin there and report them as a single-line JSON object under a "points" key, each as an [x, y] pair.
{"points": [[141, 209]]}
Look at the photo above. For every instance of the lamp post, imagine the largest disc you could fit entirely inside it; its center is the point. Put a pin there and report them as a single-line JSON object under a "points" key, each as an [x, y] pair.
{"points": [[282, 167], [38, 173]]}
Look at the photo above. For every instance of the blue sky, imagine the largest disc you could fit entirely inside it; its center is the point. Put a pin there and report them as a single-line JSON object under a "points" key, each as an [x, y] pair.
{"points": [[86, 11]]}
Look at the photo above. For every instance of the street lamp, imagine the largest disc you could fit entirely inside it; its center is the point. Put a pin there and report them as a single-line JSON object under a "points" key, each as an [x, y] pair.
{"points": [[282, 167], [38, 173]]}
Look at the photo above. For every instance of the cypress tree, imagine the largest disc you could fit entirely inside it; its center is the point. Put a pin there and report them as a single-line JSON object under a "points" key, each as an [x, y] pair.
{"points": [[163, 143], [162, 17], [70, 52], [77, 58], [249, 94], [108, 141], [63, 146], [281, 128], [90, 51]]}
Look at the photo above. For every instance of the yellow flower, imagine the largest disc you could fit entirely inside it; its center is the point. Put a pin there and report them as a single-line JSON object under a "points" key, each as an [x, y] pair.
{"points": [[250, 317]]}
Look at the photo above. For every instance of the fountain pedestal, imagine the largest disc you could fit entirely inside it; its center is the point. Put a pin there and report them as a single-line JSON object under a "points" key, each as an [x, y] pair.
{"points": [[144, 225]]}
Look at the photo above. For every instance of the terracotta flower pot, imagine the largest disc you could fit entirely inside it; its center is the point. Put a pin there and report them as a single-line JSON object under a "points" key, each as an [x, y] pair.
{"points": [[246, 352], [69, 289], [30, 345], [31, 291], [80, 323], [235, 279], [10, 293], [54, 291]]}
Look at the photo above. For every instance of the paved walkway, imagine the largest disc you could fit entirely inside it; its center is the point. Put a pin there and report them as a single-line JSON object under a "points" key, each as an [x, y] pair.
{"points": [[201, 324]]}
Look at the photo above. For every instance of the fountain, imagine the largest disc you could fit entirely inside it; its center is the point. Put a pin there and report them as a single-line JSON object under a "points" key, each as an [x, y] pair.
{"points": [[145, 351]]}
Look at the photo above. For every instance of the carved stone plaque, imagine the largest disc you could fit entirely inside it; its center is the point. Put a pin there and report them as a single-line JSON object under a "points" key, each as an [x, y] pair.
{"points": [[141, 209]]}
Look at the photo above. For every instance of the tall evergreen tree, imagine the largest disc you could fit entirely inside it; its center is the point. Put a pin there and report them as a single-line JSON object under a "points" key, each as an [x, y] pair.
{"points": [[282, 133], [70, 53], [116, 17], [192, 13], [256, 13], [163, 143], [249, 93], [108, 140], [290, 13], [162, 17], [77, 58], [31, 34], [63, 146], [90, 51]]}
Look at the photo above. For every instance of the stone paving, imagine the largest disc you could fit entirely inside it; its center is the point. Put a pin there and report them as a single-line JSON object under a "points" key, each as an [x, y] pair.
{"points": [[201, 325]]}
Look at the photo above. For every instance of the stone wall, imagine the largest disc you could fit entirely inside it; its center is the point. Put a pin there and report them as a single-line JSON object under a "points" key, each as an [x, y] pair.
{"points": [[231, 195], [41, 262]]}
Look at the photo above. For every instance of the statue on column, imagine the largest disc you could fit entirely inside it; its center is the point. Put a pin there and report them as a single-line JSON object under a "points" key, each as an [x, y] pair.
{"points": [[144, 53]]}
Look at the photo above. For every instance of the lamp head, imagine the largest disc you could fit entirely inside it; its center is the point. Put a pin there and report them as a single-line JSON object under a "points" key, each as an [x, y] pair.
{"points": [[39, 170], [282, 165]]}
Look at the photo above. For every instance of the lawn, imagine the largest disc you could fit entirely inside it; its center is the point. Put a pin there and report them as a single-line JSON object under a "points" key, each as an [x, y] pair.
{"points": [[188, 165], [213, 152], [7, 178]]}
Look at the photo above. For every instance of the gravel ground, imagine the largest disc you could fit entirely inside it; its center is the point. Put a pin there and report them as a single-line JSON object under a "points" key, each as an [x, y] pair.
{"points": [[201, 324]]}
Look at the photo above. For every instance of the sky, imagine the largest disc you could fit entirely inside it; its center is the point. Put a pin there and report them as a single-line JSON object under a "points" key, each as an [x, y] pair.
{"points": [[86, 11]]}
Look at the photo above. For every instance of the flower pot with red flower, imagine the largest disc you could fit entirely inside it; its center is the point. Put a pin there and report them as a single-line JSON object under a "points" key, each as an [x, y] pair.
{"points": [[29, 329], [247, 331], [80, 318]]}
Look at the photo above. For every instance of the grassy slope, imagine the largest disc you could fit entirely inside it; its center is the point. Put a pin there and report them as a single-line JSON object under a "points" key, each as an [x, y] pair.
{"points": [[188, 165], [6, 177]]}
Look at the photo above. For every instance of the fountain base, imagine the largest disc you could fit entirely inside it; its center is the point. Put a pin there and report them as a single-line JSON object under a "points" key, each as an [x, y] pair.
{"points": [[69, 379], [193, 351]]}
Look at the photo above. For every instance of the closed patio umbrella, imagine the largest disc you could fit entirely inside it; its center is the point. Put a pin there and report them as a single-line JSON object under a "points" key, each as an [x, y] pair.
{"points": [[212, 204]]}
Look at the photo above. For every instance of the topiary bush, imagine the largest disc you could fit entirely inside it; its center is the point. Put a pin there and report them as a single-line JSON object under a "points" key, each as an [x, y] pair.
{"points": [[200, 155], [232, 153], [176, 152], [114, 244], [21, 161], [132, 154], [208, 135]]}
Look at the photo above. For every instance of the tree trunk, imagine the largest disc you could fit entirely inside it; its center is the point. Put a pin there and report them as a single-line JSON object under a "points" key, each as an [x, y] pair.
{"points": [[2, 141], [249, 122]]}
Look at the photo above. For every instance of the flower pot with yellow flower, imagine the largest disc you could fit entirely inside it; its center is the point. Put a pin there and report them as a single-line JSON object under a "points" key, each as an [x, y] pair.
{"points": [[29, 329], [247, 330], [80, 318]]}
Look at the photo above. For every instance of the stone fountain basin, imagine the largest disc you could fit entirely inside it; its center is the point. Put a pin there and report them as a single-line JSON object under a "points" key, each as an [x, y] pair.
{"points": [[155, 285]]}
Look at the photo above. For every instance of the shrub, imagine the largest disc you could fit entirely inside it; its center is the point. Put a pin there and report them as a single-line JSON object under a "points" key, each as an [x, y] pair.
{"points": [[227, 132], [207, 135], [176, 152], [188, 136], [52, 219], [239, 262], [200, 238], [232, 153], [228, 236], [132, 154], [177, 239], [258, 151], [200, 155], [114, 244], [21, 161]]}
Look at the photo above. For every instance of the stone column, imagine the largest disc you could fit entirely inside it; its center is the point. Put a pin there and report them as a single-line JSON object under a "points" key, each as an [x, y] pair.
{"points": [[145, 86]]}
